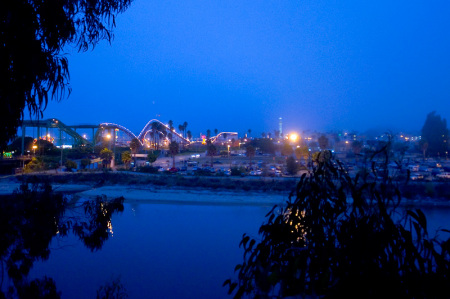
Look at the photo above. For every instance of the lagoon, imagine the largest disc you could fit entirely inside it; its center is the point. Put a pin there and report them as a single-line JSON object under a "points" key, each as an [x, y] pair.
{"points": [[167, 250], [158, 251]]}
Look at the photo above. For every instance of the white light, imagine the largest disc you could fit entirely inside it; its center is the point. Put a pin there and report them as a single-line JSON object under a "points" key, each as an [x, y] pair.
{"points": [[293, 137]]}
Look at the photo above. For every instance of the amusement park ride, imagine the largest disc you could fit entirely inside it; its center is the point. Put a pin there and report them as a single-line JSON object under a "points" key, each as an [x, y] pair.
{"points": [[108, 130]]}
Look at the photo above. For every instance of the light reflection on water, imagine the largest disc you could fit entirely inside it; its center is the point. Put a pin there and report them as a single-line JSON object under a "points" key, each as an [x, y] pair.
{"points": [[159, 251], [167, 251]]}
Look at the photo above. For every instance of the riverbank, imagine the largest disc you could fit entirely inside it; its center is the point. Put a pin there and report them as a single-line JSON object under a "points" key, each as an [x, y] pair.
{"points": [[98, 179], [157, 188], [135, 187]]}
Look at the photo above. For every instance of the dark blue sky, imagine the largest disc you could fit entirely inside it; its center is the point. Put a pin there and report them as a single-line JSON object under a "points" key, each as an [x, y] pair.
{"points": [[239, 65]]}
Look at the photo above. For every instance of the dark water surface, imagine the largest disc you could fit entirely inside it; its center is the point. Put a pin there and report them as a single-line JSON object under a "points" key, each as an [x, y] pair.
{"points": [[158, 251], [166, 251]]}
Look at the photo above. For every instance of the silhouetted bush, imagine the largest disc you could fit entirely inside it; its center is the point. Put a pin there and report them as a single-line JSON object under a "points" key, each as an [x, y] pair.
{"points": [[236, 171], [148, 169], [337, 238], [70, 165]]}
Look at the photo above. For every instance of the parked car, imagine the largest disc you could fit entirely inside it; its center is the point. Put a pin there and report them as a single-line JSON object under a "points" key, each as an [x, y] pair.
{"points": [[437, 171], [416, 176], [444, 175], [174, 169]]}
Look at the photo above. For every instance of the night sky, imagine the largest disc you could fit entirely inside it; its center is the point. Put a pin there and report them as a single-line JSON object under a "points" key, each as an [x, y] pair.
{"points": [[239, 65]]}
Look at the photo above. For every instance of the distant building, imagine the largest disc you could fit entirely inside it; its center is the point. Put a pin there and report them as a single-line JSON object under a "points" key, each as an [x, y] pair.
{"points": [[280, 126]]}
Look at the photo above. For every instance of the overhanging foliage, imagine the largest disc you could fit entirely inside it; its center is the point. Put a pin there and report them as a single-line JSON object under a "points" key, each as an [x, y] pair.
{"points": [[338, 237]]}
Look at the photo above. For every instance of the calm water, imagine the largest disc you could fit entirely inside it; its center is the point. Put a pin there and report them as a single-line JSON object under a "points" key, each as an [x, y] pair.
{"points": [[166, 251], [159, 251]]}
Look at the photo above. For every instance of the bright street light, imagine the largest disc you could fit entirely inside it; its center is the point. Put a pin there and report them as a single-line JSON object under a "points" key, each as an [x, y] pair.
{"points": [[293, 137]]}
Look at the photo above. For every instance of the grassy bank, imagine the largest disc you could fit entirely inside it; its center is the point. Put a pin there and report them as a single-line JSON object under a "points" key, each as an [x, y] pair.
{"points": [[205, 182], [410, 191]]}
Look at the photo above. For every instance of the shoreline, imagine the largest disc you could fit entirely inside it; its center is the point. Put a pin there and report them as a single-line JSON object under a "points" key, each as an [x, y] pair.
{"points": [[139, 188], [138, 194]]}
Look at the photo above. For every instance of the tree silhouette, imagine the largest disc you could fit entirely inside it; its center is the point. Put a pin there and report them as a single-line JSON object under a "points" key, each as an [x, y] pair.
{"points": [[174, 148], [86, 162], [323, 245], [126, 158], [302, 152], [31, 218], [211, 150], [185, 124], [70, 165], [135, 145], [357, 147], [265, 145], [181, 128], [152, 157], [106, 155], [435, 134], [291, 165], [287, 150], [170, 135], [323, 142], [33, 36], [250, 153]]}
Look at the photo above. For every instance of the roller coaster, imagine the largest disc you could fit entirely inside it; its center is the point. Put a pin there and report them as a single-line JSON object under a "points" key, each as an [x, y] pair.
{"points": [[152, 131]]}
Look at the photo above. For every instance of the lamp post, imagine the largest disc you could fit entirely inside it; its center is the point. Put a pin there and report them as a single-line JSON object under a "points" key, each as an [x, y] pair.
{"points": [[34, 150], [229, 160], [108, 136], [61, 146], [114, 137]]}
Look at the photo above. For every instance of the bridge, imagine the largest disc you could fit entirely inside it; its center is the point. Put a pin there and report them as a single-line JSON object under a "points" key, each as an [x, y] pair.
{"points": [[154, 133]]}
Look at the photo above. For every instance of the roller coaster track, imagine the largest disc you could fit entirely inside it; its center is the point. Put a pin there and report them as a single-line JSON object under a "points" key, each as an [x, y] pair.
{"points": [[55, 123], [104, 126], [148, 127], [71, 130], [214, 139]]}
